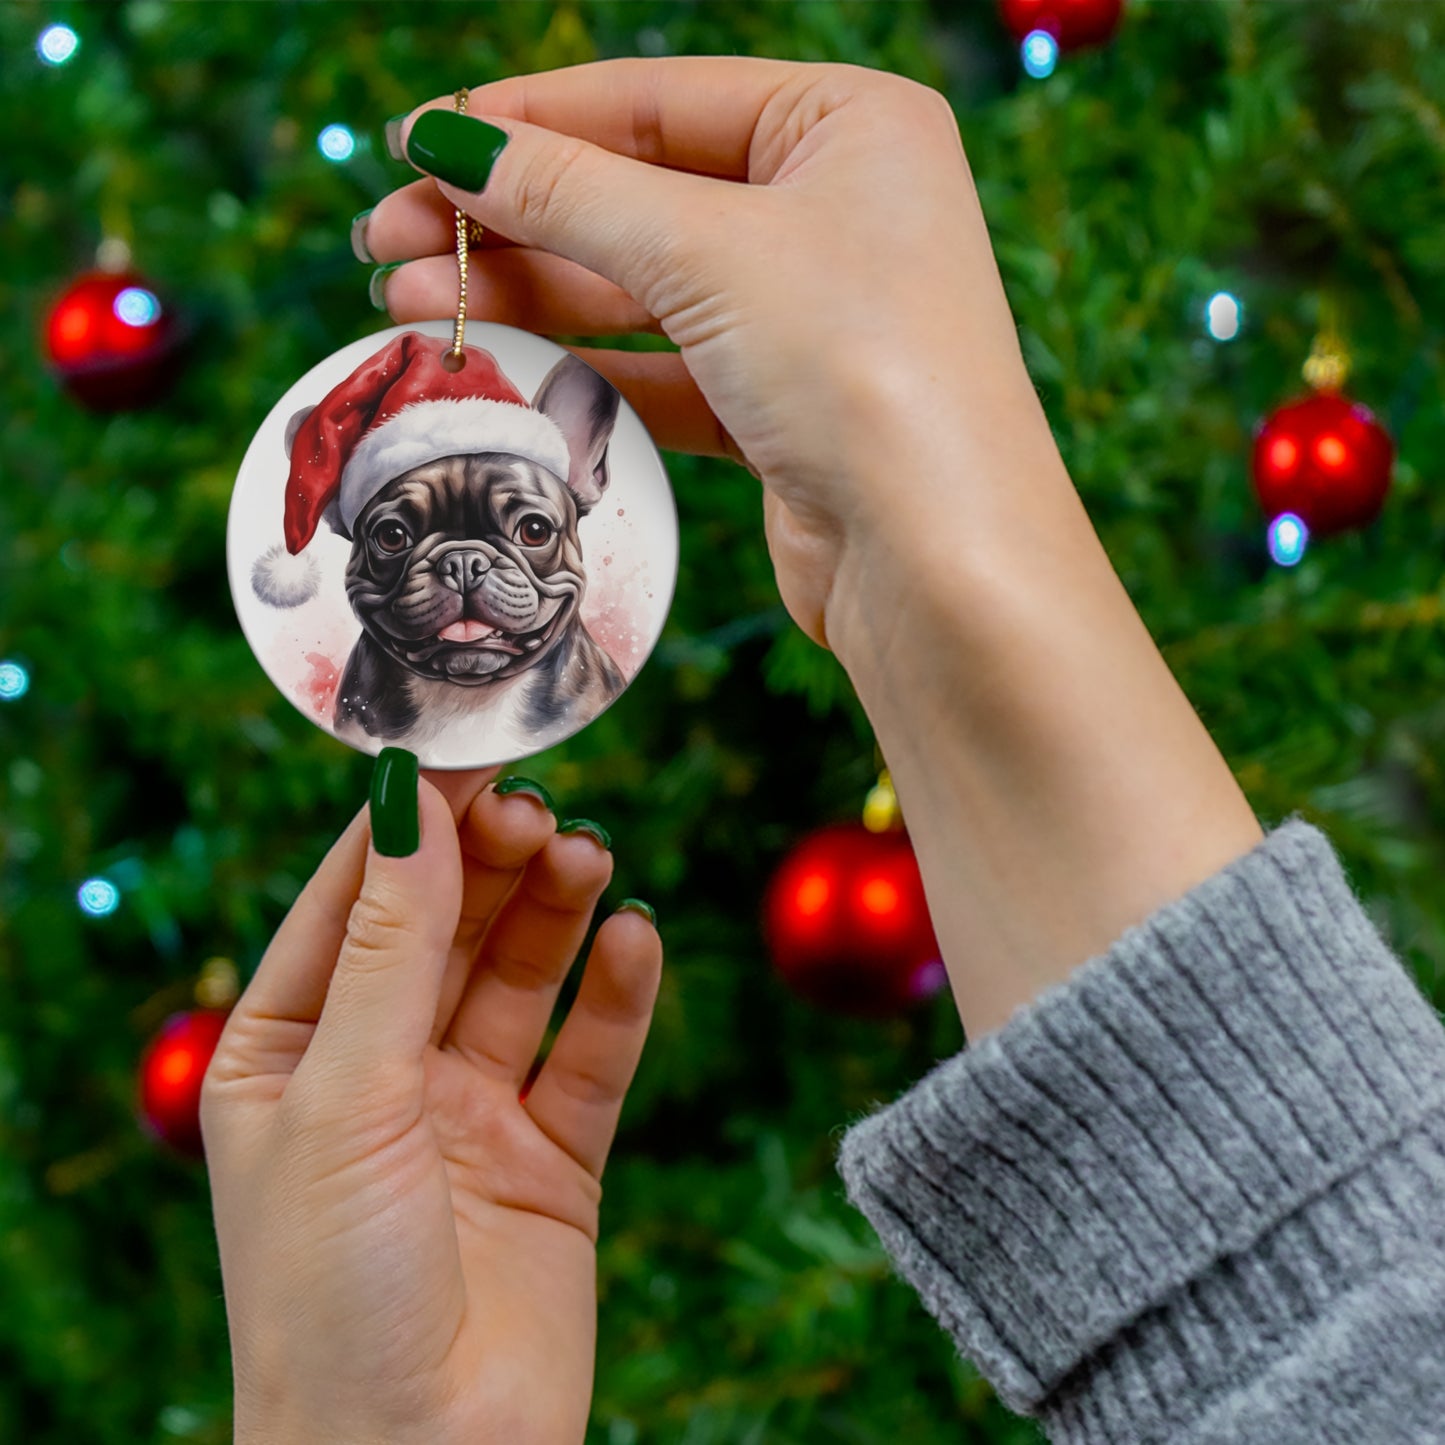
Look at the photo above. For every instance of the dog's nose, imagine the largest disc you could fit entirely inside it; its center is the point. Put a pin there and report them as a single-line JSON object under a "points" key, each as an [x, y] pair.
{"points": [[463, 570]]}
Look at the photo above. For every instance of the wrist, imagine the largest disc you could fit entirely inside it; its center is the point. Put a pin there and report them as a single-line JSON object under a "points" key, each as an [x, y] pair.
{"points": [[1056, 782]]}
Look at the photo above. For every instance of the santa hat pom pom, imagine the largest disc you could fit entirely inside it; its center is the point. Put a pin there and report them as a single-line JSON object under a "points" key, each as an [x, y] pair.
{"points": [[281, 580]]}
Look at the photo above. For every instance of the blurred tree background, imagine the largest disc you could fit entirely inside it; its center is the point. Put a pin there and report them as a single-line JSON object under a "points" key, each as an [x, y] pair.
{"points": [[1291, 154]]}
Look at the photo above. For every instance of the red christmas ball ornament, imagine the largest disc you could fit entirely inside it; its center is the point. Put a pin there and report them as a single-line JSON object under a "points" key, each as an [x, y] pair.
{"points": [[1324, 458], [171, 1071], [112, 341], [847, 923], [1073, 23]]}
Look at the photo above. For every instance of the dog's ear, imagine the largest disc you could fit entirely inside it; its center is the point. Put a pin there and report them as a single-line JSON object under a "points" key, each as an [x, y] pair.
{"points": [[584, 406], [294, 425]]}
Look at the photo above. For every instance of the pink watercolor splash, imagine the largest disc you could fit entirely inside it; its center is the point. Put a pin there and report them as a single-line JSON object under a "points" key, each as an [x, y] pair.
{"points": [[321, 684]]}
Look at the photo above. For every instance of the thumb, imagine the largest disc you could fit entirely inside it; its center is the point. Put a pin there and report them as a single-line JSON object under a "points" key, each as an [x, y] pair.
{"points": [[382, 999], [634, 224]]}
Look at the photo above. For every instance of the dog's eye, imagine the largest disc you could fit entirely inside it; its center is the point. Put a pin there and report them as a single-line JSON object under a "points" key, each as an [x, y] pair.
{"points": [[535, 531], [390, 536]]}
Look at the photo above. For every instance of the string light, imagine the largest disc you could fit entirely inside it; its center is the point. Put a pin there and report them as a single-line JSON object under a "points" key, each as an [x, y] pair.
{"points": [[1040, 52], [98, 897], [1288, 537], [336, 143], [136, 306], [1223, 316], [14, 681], [57, 44]]}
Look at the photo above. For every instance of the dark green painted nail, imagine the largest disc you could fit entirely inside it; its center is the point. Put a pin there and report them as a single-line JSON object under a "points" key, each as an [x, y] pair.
{"points": [[586, 825], [526, 785], [395, 824], [636, 905], [359, 247], [455, 148], [392, 132], [376, 288]]}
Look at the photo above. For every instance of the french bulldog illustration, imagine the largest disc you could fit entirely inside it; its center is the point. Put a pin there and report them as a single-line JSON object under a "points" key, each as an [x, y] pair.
{"points": [[462, 503]]}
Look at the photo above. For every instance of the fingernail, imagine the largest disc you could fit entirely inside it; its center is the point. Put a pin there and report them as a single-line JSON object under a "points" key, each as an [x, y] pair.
{"points": [[636, 905], [586, 825], [376, 288], [359, 248], [526, 785], [395, 820], [392, 132], [455, 148]]}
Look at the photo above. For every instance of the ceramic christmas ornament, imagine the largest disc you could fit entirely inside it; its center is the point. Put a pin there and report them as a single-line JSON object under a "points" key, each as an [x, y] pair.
{"points": [[468, 562]]}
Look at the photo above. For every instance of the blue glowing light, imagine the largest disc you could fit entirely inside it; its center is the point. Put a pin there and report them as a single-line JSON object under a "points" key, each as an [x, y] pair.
{"points": [[98, 897], [1223, 316], [336, 143], [57, 44], [137, 307], [14, 681], [1040, 53], [1288, 538]]}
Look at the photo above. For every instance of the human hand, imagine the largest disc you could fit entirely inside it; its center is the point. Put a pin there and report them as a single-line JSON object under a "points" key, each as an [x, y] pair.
{"points": [[840, 317], [407, 1246]]}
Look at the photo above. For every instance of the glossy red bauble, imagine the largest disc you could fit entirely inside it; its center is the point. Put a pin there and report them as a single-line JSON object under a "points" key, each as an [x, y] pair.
{"points": [[1073, 23], [171, 1071], [112, 341], [1324, 458], [847, 924]]}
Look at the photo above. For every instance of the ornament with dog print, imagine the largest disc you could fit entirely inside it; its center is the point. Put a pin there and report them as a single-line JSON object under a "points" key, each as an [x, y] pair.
{"points": [[471, 564]]}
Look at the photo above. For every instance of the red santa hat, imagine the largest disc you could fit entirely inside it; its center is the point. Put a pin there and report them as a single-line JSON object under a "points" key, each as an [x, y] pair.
{"points": [[399, 410]]}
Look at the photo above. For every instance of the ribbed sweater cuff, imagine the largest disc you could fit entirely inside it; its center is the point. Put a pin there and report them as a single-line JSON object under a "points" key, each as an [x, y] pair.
{"points": [[1147, 1163]]}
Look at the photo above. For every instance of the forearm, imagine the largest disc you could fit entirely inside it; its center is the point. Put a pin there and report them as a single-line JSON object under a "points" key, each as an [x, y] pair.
{"points": [[1057, 784]]}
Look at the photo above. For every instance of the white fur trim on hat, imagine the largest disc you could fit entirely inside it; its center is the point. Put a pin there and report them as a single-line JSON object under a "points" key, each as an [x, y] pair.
{"points": [[426, 431]]}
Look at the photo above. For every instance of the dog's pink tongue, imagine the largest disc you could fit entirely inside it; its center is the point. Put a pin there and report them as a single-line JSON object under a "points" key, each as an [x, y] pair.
{"points": [[465, 631]]}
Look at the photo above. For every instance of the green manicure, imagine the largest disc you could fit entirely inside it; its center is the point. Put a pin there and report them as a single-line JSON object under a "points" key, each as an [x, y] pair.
{"points": [[359, 247], [636, 905], [395, 820], [526, 785], [376, 288], [392, 133], [586, 825], [455, 148]]}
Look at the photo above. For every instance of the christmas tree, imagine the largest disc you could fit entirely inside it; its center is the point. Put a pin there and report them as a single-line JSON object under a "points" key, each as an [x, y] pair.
{"points": [[162, 804]]}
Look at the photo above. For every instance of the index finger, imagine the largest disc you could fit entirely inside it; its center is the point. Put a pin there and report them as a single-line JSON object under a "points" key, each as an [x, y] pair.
{"points": [[696, 113]]}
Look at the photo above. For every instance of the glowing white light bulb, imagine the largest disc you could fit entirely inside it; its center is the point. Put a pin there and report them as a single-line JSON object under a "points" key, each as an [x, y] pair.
{"points": [[336, 143], [1223, 316], [98, 897], [57, 44], [1040, 52], [14, 681], [137, 307], [1288, 538]]}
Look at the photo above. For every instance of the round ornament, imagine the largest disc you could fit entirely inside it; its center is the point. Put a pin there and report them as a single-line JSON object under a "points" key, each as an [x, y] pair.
{"points": [[847, 923], [1324, 458], [1073, 23], [172, 1070], [111, 340], [468, 562]]}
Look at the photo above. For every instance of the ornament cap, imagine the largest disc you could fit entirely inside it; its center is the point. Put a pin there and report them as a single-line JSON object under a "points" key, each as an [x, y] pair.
{"points": [[219, 984]]}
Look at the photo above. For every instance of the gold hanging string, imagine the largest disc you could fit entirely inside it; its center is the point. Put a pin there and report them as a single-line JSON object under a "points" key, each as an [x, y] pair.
{"points": [[469, 232]]}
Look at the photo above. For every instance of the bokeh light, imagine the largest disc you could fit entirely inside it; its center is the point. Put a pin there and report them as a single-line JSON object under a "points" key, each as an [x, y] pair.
{"points": [[137, 307], [1288, 538], [14, 681], [336, 143], [98, 897], [1040, 52], [1223, 316], [57, 44]]}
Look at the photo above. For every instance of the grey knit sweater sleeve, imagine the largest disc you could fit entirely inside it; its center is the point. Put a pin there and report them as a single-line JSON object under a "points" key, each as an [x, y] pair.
{"points": [[1196, 1192]]}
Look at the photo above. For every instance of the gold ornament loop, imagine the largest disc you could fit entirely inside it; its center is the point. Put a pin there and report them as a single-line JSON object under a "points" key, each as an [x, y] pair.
{"points": [[881, 813], [469, 233]]}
